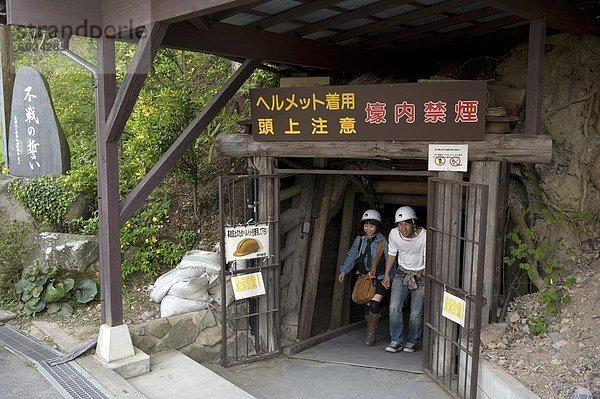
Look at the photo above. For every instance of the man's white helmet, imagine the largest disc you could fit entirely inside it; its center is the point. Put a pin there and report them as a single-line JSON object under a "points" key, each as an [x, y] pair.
{"points": [[371, 214], [405, 213]]}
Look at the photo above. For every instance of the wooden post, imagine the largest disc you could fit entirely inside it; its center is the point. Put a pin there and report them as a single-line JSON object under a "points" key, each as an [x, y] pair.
{"points": [[486, 173], [108, 190], [266, 208], [449, 220], [340, 291], [309, 295], [293, 269], [6, 80], [535, 76]]}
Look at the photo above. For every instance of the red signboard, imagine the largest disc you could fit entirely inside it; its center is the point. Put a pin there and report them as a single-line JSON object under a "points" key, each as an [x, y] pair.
{"points": [[438, 111]]}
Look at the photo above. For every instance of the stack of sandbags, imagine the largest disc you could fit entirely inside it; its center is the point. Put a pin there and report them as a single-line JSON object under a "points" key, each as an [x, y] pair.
{"points": [[191, 286]]}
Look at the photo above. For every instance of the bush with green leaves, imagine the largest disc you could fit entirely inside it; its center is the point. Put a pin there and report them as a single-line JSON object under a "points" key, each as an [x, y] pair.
{"points": [[46, 198], [13, 251], [546, 258], [40, 289]]}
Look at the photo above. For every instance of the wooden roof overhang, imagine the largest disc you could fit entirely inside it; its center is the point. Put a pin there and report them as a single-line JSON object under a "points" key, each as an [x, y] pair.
{"points": [[386, 37]]}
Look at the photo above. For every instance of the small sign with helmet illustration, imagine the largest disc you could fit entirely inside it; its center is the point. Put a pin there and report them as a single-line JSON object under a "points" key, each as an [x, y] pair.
{"points": [[246, 242], [448, 157]]}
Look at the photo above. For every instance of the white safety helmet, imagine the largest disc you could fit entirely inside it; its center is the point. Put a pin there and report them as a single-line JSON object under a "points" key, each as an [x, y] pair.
{"points": [[405, 213], [371, 214]]}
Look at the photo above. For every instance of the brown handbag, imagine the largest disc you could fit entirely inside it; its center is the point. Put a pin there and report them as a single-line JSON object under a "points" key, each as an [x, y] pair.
{"points": [[364, 289]]}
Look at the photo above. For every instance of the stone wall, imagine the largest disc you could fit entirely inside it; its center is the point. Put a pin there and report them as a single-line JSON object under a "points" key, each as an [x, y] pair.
{"points": [[197, 335]]}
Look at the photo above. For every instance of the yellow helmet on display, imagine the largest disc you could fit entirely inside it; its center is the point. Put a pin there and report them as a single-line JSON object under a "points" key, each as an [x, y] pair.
{"points": [[246, 247]]}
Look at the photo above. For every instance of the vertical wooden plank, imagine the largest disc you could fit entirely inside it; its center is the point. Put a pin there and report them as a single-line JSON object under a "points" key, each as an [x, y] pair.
{"points": [[314, 263], [340, 291], [6, 79], [535, 76], [449, 219], [108, 190], [293, 270], [487, 173], [265, 166]]}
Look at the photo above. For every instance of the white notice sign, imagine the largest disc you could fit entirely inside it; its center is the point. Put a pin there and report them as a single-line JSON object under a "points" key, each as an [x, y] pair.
{"points": [[453, 308], [248, 285], [448, 157], [246, 242]]}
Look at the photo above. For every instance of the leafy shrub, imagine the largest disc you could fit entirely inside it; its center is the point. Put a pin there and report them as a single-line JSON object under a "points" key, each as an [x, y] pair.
{"points": [[40, 289], [13, 250], [46, 198]]}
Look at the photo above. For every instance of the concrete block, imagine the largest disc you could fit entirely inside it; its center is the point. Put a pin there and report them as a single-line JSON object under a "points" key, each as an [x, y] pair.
{"points": [[6, 316], [114, 343], [129, 367]]}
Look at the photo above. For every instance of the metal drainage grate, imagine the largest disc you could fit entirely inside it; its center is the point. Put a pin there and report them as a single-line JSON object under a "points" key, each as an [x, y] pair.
{"points": [[68, 378]]}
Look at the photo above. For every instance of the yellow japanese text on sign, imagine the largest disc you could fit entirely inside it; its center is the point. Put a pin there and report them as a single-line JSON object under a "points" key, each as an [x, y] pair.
{"points": [[248, 285], [453, 308]]}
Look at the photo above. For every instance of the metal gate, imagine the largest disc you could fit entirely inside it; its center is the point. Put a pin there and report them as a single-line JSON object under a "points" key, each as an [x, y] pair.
{"points": [[456, 226], [250, 327]]}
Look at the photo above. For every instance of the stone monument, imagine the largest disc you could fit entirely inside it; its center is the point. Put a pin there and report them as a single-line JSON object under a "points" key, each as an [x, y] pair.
{"points": [[36, 143]]}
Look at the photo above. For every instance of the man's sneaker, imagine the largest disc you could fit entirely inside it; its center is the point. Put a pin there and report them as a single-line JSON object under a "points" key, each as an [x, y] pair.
{"points": [[394, 347], [410, 347]]}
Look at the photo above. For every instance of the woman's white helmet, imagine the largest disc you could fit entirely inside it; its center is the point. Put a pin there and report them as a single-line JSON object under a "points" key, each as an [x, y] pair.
{"points": [[405, 213], [371, 214]]}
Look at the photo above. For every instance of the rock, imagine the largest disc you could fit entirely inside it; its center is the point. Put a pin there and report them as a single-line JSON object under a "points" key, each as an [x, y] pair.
{"points": [[560, 344], [67, 251], [582, 393], [205, 319], [513, 318], [146, 315], [10, 208], [492, 333], [556, 362], [182, 334], [556, 336], [209, 337], [78, 209]]}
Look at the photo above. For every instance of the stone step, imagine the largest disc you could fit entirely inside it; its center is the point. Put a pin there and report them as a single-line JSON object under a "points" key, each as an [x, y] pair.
{"points": [[175, 375]]}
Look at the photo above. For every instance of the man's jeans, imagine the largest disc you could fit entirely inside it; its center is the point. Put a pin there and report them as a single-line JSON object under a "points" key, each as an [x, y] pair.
{"points": [[398, 296]]}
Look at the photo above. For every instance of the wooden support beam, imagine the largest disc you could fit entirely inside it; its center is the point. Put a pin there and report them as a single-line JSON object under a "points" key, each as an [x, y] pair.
{"points": [[289, 192], [153, 178], [293, 270], [309, 294], [341, 291], [495, 147], [535, 76], [244, 42], [349, 16], [488, 173], [558, 14], [134, 79], [108, 190], [419, 30], [290, 218], [293, 13], [400, 187], [399, 20], [399, 199]]}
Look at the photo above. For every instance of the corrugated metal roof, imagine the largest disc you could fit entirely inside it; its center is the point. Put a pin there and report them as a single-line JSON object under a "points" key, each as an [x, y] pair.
{"points": [[242, 19], [392, 12], [276, 6], [355, 4], [318, 16]]}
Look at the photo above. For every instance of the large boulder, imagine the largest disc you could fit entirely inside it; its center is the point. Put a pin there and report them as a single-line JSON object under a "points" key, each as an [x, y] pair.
{"points": [[67, 252], [10, 208]]}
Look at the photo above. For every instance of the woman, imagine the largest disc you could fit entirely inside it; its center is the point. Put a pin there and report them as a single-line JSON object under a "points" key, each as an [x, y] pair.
{"points": [[362, 256]]}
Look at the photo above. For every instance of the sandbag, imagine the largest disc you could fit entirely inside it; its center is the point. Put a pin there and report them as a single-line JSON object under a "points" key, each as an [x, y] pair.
{"points": [[172, 305], [193, 288], [193, 264], [163, 283], [210, 261], [215, 293]]}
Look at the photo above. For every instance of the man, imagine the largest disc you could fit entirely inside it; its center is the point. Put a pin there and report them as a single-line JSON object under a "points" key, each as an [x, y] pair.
{"points": [[407, 243]]}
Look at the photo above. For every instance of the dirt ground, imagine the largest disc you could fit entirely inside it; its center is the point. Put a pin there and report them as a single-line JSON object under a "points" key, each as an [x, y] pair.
{"points": [[567, 356]]}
